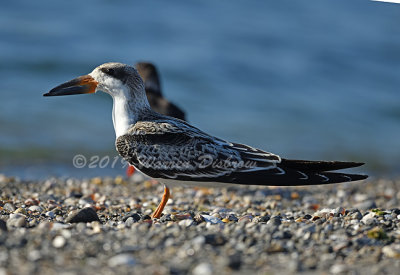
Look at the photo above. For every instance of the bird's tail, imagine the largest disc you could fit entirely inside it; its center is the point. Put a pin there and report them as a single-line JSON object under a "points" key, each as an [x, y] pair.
{"points": [[300, 172]]}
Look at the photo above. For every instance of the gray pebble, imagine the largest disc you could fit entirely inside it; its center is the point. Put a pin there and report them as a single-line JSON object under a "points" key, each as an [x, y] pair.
{"points": [[16, 220], [186, 223], [275, 221], [203, 269], [59, 242], [135, 217], [121, 259], [3, 225], [129, 222], [198, 218], [212, 219], [35, 208], [83, 215], [9, 207], [366, 205], [50, 214], [356, 216]]}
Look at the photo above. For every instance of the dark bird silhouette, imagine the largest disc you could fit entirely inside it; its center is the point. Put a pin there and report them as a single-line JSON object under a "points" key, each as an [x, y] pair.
{"points": [[152, 84]]}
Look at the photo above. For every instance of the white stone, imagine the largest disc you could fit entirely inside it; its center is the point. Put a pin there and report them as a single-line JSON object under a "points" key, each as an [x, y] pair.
{"points": [[203, 269], [122, 259], [59, 242], [369, 216], [212, 220]]}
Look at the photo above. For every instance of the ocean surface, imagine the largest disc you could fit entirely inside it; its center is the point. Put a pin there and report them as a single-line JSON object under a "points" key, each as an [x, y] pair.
{"points": [[306, 79]]}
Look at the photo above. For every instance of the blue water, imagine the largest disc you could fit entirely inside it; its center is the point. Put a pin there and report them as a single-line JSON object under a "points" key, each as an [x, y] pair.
{"points": [[312, 79]]}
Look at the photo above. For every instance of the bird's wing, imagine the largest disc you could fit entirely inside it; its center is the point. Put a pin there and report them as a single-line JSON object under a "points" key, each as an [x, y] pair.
{"points": [[173, 149]]}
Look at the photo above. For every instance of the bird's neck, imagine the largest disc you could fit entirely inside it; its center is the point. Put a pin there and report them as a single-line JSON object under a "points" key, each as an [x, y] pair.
{"points": [[127, 109]]}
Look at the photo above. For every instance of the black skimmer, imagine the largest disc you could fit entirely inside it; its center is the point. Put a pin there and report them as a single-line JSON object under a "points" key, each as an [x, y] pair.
{"points": [[177, 153], [158, 103]]}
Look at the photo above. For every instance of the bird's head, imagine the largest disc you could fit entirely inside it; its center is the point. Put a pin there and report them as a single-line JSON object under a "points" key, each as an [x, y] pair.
{"points": [[149, 74], [116, 79]]}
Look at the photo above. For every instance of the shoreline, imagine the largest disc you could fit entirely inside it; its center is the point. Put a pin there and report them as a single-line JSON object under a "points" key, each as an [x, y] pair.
{"points": [[317, 229]]}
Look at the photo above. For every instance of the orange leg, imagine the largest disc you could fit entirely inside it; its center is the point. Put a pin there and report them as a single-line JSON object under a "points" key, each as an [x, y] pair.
{"points": [[130, 171], [160, 208]]}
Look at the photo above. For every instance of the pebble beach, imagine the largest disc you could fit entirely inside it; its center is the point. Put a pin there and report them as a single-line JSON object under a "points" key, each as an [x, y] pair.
{"points": [[103, 226]]}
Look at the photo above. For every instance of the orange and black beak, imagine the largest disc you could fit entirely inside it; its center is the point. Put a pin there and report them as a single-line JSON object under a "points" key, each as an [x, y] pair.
{"points": [[80, 85]]}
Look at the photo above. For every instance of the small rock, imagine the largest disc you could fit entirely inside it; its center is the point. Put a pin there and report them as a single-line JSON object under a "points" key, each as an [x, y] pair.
{"points": [[360, 197], [145, 217], [212, 219], [35, 208], [129, 222], [307, 217], [356, 216], [203, 269], [96, 227], [338, 269], [377, 233], [282, 235], [50, 214], [186, 223], [86, 201], [275, 220], [246, 219], [34, 255], [59, 242], [135, 217], [30, 202], [262, 219], [166, 218], [232, 218], [44, 226], [215, 239], [368, 218], [198, 218], [366, 205], [9, 207], [20, 211], [235, 262], [3, 225], [340, 211], [16, 220], [341, 245], [122, 259], [198, 241], [396, 211], [70, 201], [306, 230], [83, 215], [392, 251]]}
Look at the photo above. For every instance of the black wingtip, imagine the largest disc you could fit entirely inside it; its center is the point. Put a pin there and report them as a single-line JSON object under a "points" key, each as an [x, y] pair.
{"points": [[46, 94], [357, 164], [341, 177], [362, 177], [318, 166]]}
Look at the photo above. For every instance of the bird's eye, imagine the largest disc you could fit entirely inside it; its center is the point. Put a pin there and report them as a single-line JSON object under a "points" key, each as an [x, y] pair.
{"points": [[109, 71]]}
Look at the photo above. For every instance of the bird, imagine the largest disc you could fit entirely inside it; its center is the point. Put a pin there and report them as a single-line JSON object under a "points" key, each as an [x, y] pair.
{"points": [[176, 153], [149, 74]]}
